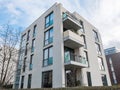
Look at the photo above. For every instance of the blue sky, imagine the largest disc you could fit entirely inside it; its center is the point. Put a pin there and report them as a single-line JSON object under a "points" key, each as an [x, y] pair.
{"points": [[103, 14]]}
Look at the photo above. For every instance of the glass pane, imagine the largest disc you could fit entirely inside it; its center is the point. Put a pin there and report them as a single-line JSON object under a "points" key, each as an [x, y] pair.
{"points": [[51, 52], [46, 35], [50, 61], [51, 32], [47, 20], [45, 62], [51, 19], [45, 53]]}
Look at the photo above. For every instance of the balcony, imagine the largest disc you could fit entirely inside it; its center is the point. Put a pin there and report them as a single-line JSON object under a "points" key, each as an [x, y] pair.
{"points": [[72, 40], [72, 60], [70, 21]]}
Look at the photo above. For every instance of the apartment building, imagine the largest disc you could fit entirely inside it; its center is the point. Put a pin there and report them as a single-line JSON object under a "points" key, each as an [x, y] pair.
{"points": [[61, 49], [113, 62]]}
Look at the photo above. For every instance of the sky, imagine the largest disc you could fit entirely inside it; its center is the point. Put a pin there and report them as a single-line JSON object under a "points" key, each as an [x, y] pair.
{"points": [[103, 14]]}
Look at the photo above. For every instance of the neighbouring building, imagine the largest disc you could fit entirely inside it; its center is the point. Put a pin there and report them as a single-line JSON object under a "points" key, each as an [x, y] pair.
{"points": [[61, 49], [113, 62]]}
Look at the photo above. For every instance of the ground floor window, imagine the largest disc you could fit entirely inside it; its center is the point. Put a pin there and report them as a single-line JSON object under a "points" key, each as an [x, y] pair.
{"points": [[89, 79], [47, 79], [104, 80]]}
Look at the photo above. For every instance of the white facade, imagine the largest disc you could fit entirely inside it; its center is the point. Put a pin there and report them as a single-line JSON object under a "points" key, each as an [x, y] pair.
{"points": [[75, 55]]}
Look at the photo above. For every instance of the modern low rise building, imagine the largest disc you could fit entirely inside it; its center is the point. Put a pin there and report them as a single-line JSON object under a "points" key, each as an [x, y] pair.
{"points": [[113, 62], [61, 49]]}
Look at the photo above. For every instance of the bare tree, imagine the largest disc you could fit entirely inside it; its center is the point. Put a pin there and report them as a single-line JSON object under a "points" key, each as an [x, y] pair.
{"points": [[9, 40]]}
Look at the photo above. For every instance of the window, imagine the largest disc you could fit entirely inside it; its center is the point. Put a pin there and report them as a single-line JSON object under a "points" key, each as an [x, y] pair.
{"points": [[98, 49], [31, 65], [47, 79], [114, 78], [86, 58], [85, 45], [96, 36], [48, 36], [28, 35], [48, 56], [49, 20], [22, 82], [82, 29], [26, 49], [29, 80], [100, 63], [33, 45], [104, 80], [34, 30], [89, 79], [24, 64]]}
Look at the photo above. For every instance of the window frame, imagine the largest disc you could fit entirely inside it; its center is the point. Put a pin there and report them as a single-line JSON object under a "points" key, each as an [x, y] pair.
{"points": [[48, 56], [22, 82], [33, 45], [48, 73], [50, 39], [96, 37], [29, 81], [49, 20], [34, 30], [31, 62]]}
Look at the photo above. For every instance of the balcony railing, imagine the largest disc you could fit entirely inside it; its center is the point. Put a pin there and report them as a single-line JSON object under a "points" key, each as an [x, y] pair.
{"points": [[72, 40], [75, 58], [70, 21], [68, 14]]}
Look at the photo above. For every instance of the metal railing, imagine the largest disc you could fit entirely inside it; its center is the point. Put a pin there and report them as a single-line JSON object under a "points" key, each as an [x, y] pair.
{"points": [[72, 57], [73, 17]]}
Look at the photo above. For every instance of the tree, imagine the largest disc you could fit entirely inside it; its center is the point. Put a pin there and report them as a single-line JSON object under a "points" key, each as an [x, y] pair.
{"points": [[9, 42]]}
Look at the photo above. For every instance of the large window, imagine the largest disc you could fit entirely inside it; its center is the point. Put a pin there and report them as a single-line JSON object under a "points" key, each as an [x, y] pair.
{"points": [[84, 40], [31, 65], [49, 20], [47, 79], [33, 45], [29, 80], [86, 57], [24, 64], [100, 63], [95, 36], [89, 79], [28, 35], [34, 30], [82, 28], [104, 80], [26, 49], [48, 36], [98, 49], [22, 82], [48, 56]]}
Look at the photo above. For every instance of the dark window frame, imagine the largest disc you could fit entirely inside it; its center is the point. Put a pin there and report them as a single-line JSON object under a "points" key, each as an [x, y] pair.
{"points": [[34, 30], [33, 45], [28, 35], [82, 24], [105, 83], [31, 62], [89, 79], [96, 37], [48, 48], [24, 64], [49, 38], [29, 81], [49, 16], [47, 83], [22, 82]]}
